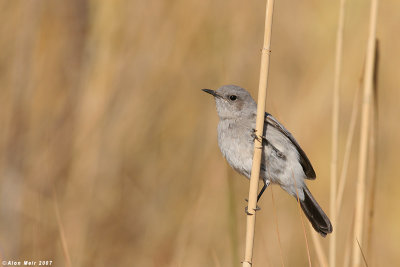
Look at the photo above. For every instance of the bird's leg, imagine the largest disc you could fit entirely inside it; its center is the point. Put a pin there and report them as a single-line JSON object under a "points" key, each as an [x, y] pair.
{"points": [[266, 184]]}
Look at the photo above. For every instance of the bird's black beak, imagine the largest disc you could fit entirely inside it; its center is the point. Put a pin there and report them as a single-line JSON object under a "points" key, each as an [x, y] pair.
{"points": [[211, 92]]}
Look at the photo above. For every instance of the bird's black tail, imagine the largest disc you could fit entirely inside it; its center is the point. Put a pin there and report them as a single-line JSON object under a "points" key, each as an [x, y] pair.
{"points": [[315, 214]]}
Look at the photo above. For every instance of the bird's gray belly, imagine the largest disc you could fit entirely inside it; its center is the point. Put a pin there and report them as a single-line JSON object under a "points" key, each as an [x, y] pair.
{"points": [[237, 150]]}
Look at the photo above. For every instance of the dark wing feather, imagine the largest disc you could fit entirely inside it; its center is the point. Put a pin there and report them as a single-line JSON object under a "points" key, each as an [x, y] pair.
{"points": [[304, 161]]}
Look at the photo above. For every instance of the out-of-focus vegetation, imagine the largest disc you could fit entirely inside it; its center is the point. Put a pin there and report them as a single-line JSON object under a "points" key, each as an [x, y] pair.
{"points": [[102, 119]]}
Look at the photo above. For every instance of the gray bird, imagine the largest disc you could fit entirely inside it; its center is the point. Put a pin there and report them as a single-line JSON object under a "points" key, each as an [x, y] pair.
{"points": [[283, 161]]}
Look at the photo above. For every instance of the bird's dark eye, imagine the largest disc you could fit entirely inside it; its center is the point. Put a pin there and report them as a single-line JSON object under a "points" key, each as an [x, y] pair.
{"points": [[232, 97]]}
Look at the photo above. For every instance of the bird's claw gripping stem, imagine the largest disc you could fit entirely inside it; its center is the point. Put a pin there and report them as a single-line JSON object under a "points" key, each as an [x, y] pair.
{"points": [[255, 136], [246, 209]]}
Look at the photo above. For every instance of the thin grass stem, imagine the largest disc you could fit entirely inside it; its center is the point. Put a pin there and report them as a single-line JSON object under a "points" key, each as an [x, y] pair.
{"points": [[302, 221], [322, 259], [277, 227], [61, 231], [335, 131], [365, 121], [373, 157], [346, 158]]}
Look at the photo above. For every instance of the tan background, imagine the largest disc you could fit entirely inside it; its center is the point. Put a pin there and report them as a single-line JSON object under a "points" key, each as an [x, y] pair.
{"points": [[102, 119]]}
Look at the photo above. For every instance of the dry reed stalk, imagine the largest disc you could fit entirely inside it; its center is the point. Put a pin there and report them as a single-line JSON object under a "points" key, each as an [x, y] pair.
{"points": [[266, 262], [232, 220], [255, 171], [365, 120], [335, 132], [346, 158], [216, 261], [323, 261], [61, 231], [304, 232], [372, 186], [362, 254], [277, 227], [302, 223], [373, 156], [347, 250]]}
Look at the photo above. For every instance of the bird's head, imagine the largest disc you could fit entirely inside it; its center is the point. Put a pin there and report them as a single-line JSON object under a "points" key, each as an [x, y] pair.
{"points": [[233, 102]]}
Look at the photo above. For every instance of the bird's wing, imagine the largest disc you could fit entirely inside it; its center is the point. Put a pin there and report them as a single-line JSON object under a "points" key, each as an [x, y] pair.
{"points": [[304, 161]]}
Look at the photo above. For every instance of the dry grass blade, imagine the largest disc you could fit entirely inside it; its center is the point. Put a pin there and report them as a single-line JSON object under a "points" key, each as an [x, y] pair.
{"points": [[232, 220], [277, 227], [302, 221], [365, 119], [346, 158], [304, 231], [347, 249], [362, 253], [61, 231], [373, 150], [323, 261], [335, 131], [217, 263]]}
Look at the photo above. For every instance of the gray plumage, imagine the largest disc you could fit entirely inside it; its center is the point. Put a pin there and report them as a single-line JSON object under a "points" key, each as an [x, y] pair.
{"points": [[283, 161]]}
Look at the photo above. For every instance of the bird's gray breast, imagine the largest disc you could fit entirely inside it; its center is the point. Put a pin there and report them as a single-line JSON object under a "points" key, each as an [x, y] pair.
{"points": [[236, 144]]}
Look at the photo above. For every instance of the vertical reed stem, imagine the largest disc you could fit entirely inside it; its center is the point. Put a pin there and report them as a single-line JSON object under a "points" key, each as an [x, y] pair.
{"points": [[335, 132], [365, 121], [373, 153], [255, 171], [322, 260]]}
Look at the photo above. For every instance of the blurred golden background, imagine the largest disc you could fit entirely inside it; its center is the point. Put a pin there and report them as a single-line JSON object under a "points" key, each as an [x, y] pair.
{"points": [[108, 148]]}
